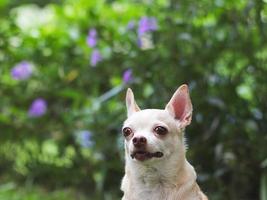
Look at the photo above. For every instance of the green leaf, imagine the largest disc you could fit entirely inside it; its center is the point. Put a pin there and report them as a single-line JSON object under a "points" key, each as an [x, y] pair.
{"points": [[245, 92]]}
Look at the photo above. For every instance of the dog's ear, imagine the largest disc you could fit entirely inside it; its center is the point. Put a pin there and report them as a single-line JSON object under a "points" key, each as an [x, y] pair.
{"points": [[131, 105], [180, 106]]}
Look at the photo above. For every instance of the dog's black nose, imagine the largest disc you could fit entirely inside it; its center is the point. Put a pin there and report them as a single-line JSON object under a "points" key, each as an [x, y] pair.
{"points": [[139, 142]]}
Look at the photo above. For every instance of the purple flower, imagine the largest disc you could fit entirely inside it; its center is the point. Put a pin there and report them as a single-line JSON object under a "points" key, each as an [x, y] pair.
{"points": [[85, 138], [147, 24], [37, 108], [127, 76], [131, 25], [22, 70], [95, 57], [92, 38]]}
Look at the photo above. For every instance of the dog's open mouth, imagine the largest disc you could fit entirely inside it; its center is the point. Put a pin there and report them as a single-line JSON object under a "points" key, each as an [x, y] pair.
{"points": [[144, 155]]}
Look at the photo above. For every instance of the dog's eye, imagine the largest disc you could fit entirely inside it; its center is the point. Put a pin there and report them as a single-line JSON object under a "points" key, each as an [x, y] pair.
{"points": [[127, 131], [160, 130]]}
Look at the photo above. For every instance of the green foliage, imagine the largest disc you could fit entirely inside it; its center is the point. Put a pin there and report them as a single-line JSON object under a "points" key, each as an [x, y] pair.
{"points": [[11, 192], [263, 188], [217, 47]]}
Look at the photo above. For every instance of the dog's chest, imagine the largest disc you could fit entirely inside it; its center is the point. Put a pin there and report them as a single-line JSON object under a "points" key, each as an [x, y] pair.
{"points": [[146, 191], [161, 192], [150, 187]]}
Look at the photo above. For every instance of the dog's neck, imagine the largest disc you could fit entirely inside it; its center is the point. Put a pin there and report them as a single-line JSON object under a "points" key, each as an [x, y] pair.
{"points": [[170, 173], [165, 180]]}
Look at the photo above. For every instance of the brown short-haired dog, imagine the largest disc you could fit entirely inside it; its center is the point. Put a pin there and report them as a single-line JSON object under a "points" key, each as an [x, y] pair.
{"points": [[156, 167]]}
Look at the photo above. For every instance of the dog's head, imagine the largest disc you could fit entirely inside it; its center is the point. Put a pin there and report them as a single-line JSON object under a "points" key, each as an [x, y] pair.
{"points": [[152, 135]]}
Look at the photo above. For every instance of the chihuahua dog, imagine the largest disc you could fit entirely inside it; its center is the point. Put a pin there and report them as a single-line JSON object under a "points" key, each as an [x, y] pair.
{"points": [[156, 167]]}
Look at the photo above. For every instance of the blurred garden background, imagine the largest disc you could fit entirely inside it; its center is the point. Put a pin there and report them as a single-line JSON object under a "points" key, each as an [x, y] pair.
{"points": [[64, 68]]}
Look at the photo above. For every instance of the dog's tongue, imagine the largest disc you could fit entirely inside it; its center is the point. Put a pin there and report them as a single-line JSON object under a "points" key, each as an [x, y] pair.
{"points": [[142, 155]]}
